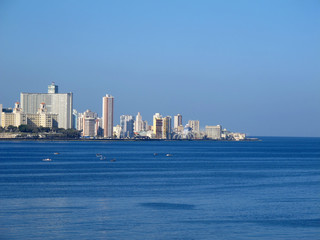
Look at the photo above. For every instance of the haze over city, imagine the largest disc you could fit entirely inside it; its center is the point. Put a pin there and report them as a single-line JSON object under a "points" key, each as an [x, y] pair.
{"points": [[252, 67]]}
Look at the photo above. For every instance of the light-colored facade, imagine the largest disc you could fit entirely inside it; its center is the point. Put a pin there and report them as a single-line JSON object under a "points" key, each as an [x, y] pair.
{"points": [[155, 118], [89, 127], [56, 103], [138, 124], [177, 121], [89, 124], [75, 119], [166, 127], [39, 119], [52, 88], [126, 124], [213, 132], [195, 125], [117, 131], [107, 115]]}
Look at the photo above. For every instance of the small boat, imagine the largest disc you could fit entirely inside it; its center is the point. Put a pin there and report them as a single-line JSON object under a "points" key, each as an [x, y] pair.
{"points": [[155, 154], [98, 155], [113, 160], [168, 155], [56, 153], [47, 160], [102, 157]]}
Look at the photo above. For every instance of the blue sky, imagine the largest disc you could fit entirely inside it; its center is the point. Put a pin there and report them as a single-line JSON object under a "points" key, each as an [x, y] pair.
{"points": [[251, 66]]}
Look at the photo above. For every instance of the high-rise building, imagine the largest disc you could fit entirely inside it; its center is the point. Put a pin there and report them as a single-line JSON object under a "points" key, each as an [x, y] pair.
{"points": [[56, 103], [75, 118], [158, 128], [166, 127], [126, 124], [213, 132], [138, 124], [195, 126], [107, 115], [177, 121], [89, 124], [145, 126], [155, 117]]}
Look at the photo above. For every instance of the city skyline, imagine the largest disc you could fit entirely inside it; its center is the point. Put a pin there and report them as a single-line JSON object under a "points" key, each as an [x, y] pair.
{"points": [[250, 66]]}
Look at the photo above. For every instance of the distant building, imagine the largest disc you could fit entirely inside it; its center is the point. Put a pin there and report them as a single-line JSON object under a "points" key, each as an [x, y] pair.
{"points": [[126, 124], [213, 132], [89, 124], [52, 88], [195, 125], [107, 115], [56, 103], [138, 124], [177, 121], [75, 119], [166, 127], [155, 117], [40, 119], [158, 128], [117, 131], [146, 127]]}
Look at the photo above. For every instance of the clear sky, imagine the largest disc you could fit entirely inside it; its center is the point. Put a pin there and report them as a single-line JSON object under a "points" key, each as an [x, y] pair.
{"points": [[250, 66]]}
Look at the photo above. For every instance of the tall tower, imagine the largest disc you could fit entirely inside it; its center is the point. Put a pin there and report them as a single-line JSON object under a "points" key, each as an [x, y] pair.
{"points": [[166, 127], [138, 124], [107, 115], [177, 121], [155, 117]]}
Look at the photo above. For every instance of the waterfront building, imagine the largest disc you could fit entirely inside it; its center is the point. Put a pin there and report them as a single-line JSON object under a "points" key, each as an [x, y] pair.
{"points": [[213, 132], [195, 126], [155, 117], [56, 103], [166, 127], [117, 131], [138, 124], [75, 119], [177, 121], [89, 123], [158, 128], [40, 119], [107, 115], [126, 124]]}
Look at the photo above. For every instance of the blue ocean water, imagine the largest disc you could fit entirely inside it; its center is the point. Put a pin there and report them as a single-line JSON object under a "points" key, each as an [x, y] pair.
{"points": [[205, 190]]}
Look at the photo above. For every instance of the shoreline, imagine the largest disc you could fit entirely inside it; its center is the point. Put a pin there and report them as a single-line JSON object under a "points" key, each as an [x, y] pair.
{"points": [[131, 140]]}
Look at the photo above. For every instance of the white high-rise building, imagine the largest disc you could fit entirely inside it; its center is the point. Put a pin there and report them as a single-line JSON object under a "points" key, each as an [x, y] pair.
{"points": [[56, 103], [107, 115], [138, 124], [126, 124], [177, 121]]}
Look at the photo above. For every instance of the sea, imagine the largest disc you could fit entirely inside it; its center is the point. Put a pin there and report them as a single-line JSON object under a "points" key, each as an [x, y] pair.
{"points": [[268, 189]]}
